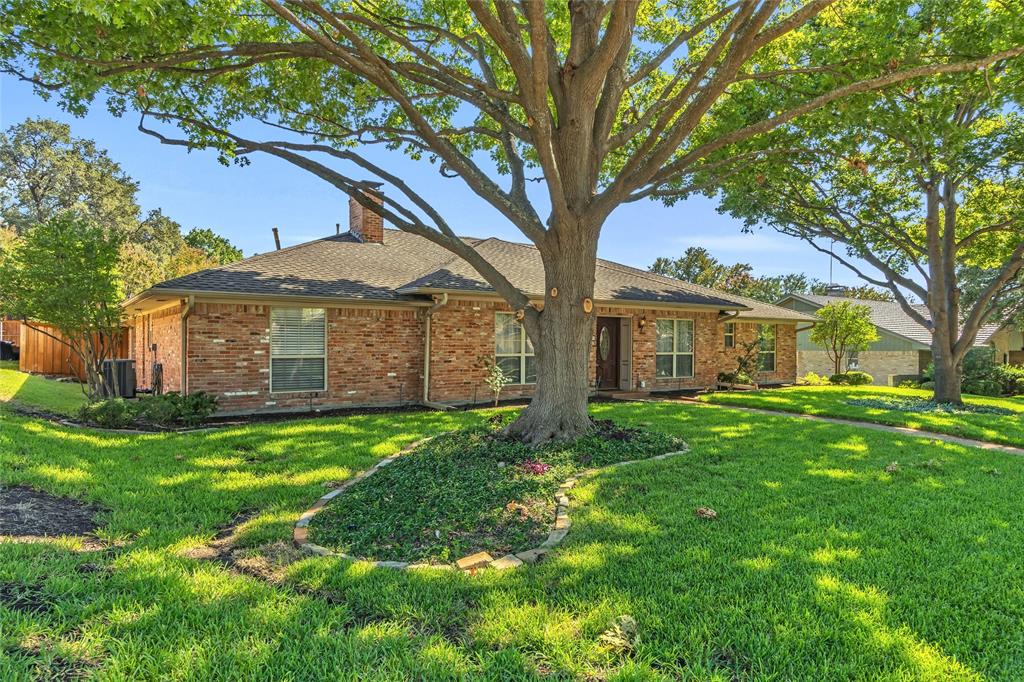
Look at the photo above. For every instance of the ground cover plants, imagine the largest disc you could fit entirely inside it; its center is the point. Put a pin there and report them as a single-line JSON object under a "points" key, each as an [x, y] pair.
{"points": [[470, 491], [921, 405]]}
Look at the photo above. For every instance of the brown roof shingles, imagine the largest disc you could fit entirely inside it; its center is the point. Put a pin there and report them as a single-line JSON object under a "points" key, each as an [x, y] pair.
{"points": [[405, 267]]}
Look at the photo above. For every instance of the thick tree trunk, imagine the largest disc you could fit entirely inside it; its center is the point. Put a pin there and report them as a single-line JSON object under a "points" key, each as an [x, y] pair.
{"points": [[561, 335], [948, 375]]}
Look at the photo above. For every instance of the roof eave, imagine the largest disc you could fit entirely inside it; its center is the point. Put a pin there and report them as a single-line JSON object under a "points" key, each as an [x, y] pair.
{"points": [[429, 291], [251, 296]]}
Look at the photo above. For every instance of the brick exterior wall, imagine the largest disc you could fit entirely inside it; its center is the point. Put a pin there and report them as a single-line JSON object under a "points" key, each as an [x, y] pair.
{"points": [[785, 351], [463, 333], [880, 364], [374, 356], [162, 328]]}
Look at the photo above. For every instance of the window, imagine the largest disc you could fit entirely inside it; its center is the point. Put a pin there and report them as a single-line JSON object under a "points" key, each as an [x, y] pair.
{"points": [[852, 360], [730, 334], [513, 351], [766, 341], [674, 348], [298, 350]]}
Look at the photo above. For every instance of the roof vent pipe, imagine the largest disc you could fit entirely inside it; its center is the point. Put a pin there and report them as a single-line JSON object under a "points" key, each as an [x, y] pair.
{"points": [[277, 240]]}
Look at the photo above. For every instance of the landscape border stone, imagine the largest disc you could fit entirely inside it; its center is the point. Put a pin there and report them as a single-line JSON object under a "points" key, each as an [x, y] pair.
{"points": [[300, 534]]}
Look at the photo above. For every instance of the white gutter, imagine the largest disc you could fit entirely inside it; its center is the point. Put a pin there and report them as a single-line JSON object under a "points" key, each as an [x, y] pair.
{"points": [[185, 312], [438, 304]]}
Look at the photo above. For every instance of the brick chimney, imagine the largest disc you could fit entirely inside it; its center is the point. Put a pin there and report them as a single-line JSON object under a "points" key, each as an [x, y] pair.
{"points": [[836, 290], [367, 225]]}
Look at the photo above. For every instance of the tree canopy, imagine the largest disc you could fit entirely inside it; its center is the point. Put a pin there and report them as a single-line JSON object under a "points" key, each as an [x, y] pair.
{"points": [[919, 182], [63, 273], [698, 266], [45, 172], [600, 103]]}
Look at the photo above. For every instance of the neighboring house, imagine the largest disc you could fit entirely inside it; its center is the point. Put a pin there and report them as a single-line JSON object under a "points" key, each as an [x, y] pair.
{"points": [[381, 317], [903, 348]]}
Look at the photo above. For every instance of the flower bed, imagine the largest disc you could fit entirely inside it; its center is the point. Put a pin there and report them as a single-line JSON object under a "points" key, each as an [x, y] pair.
{"points": [[469, 491]]}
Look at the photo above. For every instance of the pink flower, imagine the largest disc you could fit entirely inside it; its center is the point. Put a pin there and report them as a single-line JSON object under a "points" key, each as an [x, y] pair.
{"points": [[535, 467]]}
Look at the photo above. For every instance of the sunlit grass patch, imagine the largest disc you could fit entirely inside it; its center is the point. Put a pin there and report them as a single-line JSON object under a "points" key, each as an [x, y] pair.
{"points": [[856, 573], [34, 392], [998, 420]]}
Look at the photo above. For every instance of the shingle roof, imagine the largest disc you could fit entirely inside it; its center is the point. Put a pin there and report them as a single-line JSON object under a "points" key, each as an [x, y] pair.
{"points": [[339, 266], [891, 317], [405, 267]]}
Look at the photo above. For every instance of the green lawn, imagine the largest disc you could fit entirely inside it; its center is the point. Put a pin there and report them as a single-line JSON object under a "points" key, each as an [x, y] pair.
{"points": [[38, 393], [831, 401], [820, 565]]}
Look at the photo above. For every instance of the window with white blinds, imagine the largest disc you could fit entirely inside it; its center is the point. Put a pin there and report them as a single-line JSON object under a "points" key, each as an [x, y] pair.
{"points": [[298, 349]]}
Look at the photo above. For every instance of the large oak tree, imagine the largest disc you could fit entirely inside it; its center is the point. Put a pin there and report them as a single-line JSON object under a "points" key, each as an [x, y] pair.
{"points": [[922, 183], [600, 102]]}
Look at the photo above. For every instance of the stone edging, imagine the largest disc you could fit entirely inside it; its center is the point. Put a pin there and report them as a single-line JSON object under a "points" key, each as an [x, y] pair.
{"points": [[300, 534]]}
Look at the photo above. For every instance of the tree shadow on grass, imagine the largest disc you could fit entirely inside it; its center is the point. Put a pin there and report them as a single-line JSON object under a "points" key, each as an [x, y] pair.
{"points": [[802, 575]]}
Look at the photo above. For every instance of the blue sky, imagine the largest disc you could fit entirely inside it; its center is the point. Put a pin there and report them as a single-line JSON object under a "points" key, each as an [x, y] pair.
{"points": [[243, 204]]}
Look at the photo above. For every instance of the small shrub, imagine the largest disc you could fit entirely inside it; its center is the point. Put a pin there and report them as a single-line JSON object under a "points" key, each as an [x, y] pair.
{"points": [[812, 379], [859, 378], [989, 387], [1010, 378], [928, 385], [197, 408], [839, 379], [496, 379], [735, 378], [114, 413], [172, 408]]}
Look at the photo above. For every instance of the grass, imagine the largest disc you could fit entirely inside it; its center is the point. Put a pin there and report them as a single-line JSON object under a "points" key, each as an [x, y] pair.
{"points": [[468, 492], [35, 392], [834, 401], [821, 565]]}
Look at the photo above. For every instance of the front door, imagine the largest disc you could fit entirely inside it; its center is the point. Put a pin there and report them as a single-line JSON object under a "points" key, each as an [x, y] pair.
{"points": [[607, 353]]}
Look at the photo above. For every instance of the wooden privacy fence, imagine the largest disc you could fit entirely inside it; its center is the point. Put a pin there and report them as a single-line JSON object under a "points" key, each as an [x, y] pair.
{"points": [[10, 331], [43, 354], [1016, 357]]}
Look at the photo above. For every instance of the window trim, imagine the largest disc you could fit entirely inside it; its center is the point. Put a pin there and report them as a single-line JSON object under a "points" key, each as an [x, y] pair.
{"points": [[774, 352], [729, 335], [523, 348], [272, 356], [674, 353]]}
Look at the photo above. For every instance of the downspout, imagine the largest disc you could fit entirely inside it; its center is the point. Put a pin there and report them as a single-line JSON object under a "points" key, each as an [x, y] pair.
{"points": [[438, 304], [189, 304]]}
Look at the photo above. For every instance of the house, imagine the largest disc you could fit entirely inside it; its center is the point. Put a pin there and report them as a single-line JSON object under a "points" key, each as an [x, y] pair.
{"points": [[377, 316], [903, 348]]}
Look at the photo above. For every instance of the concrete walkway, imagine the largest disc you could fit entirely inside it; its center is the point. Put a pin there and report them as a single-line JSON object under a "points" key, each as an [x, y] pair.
{"points": [[902, 430]]}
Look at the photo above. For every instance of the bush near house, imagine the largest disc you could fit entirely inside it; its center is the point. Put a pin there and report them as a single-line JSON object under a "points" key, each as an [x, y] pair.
{"points": [[167, 410], [983, 376], [852, 379]]}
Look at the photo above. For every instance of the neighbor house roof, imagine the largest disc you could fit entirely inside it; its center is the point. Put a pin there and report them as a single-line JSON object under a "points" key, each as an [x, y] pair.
{"points": [[891, 317], [407, 268]]}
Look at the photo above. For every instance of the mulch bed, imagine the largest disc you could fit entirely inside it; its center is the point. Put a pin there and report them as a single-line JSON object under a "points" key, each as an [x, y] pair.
{"points": [[28, 512]]}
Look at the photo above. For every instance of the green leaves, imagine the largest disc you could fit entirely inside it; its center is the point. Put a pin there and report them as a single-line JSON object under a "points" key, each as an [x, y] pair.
{"points": [[64, 273], [843, 327]]}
